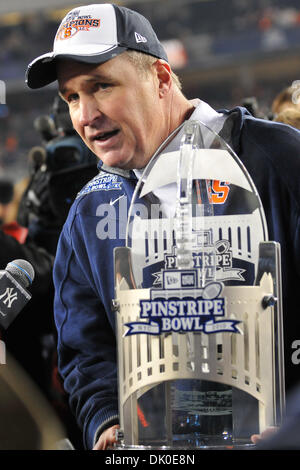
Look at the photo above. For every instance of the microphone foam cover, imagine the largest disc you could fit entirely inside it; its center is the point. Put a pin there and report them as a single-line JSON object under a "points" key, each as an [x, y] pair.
{"points": [[22, 271]]}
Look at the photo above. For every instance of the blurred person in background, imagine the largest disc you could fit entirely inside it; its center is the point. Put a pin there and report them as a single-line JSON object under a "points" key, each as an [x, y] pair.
{"points": [[6, 199], [10, 195], [288, 98], [290, 116]]}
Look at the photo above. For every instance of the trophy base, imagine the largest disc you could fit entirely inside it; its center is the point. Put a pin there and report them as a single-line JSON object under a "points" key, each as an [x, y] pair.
{"points": [[170, 448], [187, 446]]}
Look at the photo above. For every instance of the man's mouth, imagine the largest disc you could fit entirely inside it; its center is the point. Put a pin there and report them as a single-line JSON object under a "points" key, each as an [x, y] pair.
{"points": [[103, 136]]}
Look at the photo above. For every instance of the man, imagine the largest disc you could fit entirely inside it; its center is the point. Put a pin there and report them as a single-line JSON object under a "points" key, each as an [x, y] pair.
{"points": [[124, 102], [288, 98]]}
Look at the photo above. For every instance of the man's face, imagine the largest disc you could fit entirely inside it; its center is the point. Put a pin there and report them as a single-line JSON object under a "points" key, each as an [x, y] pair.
{"points": [[118, 114]]}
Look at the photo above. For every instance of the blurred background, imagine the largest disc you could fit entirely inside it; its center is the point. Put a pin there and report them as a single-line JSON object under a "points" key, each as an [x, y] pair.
{"points": [[224, 51]]}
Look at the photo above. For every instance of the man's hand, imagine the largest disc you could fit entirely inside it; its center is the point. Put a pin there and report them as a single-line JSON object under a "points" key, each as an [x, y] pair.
{"points": [[269, 432], [107, 438]]}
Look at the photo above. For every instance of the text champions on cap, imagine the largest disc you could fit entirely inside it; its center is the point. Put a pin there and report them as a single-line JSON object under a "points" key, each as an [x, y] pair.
{"points": [[70, 28]]}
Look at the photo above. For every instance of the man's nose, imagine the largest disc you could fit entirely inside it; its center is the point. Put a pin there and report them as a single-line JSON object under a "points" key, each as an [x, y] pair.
{"points": [[89, 111]]}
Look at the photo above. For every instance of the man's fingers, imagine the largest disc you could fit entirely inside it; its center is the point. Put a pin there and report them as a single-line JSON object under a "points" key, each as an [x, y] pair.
{"points": [[107, 438], [269, 432]]}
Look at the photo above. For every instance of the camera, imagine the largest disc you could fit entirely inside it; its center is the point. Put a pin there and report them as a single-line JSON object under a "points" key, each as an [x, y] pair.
{"points": [[59, 168]]}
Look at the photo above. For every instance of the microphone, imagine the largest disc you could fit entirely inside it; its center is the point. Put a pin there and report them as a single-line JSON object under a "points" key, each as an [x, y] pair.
{"points": [[46, 127], [14, 280], [37, 156]]}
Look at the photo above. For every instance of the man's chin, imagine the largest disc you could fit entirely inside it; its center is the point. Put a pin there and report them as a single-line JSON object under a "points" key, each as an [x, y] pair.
{"points": [[115, 162], [122, 161]]}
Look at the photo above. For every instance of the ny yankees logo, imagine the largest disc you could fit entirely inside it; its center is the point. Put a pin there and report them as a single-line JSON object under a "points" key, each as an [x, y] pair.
{"points": [[11, 296]]}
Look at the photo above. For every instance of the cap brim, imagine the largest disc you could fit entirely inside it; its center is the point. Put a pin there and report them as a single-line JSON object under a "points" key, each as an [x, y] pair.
{"points": [[42, 70]]}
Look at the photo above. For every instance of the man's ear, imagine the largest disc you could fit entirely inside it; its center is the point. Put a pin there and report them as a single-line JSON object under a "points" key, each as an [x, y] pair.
{"points": [[163, 72]]}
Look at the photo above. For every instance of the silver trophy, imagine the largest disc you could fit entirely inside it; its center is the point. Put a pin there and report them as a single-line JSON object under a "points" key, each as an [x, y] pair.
{"points": [[198, 303]]}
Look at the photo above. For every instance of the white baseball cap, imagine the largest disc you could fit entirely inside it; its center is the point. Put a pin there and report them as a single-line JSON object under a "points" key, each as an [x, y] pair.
{"points": [[94, 34]]}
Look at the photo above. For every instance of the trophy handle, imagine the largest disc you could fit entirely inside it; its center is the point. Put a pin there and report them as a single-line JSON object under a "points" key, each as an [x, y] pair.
{"points": [[270, 263]]}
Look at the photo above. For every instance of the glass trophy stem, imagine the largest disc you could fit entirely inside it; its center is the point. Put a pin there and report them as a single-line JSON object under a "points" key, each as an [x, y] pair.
{"points": [[199, 395], [183, 217]]}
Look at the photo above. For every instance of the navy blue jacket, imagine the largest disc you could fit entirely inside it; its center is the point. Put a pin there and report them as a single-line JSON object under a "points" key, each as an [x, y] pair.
{"points": [[83, 273]]}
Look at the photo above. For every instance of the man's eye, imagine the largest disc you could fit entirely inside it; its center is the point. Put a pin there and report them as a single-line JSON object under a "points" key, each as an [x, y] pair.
{"points": [[72, 97], [102, 86]]}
